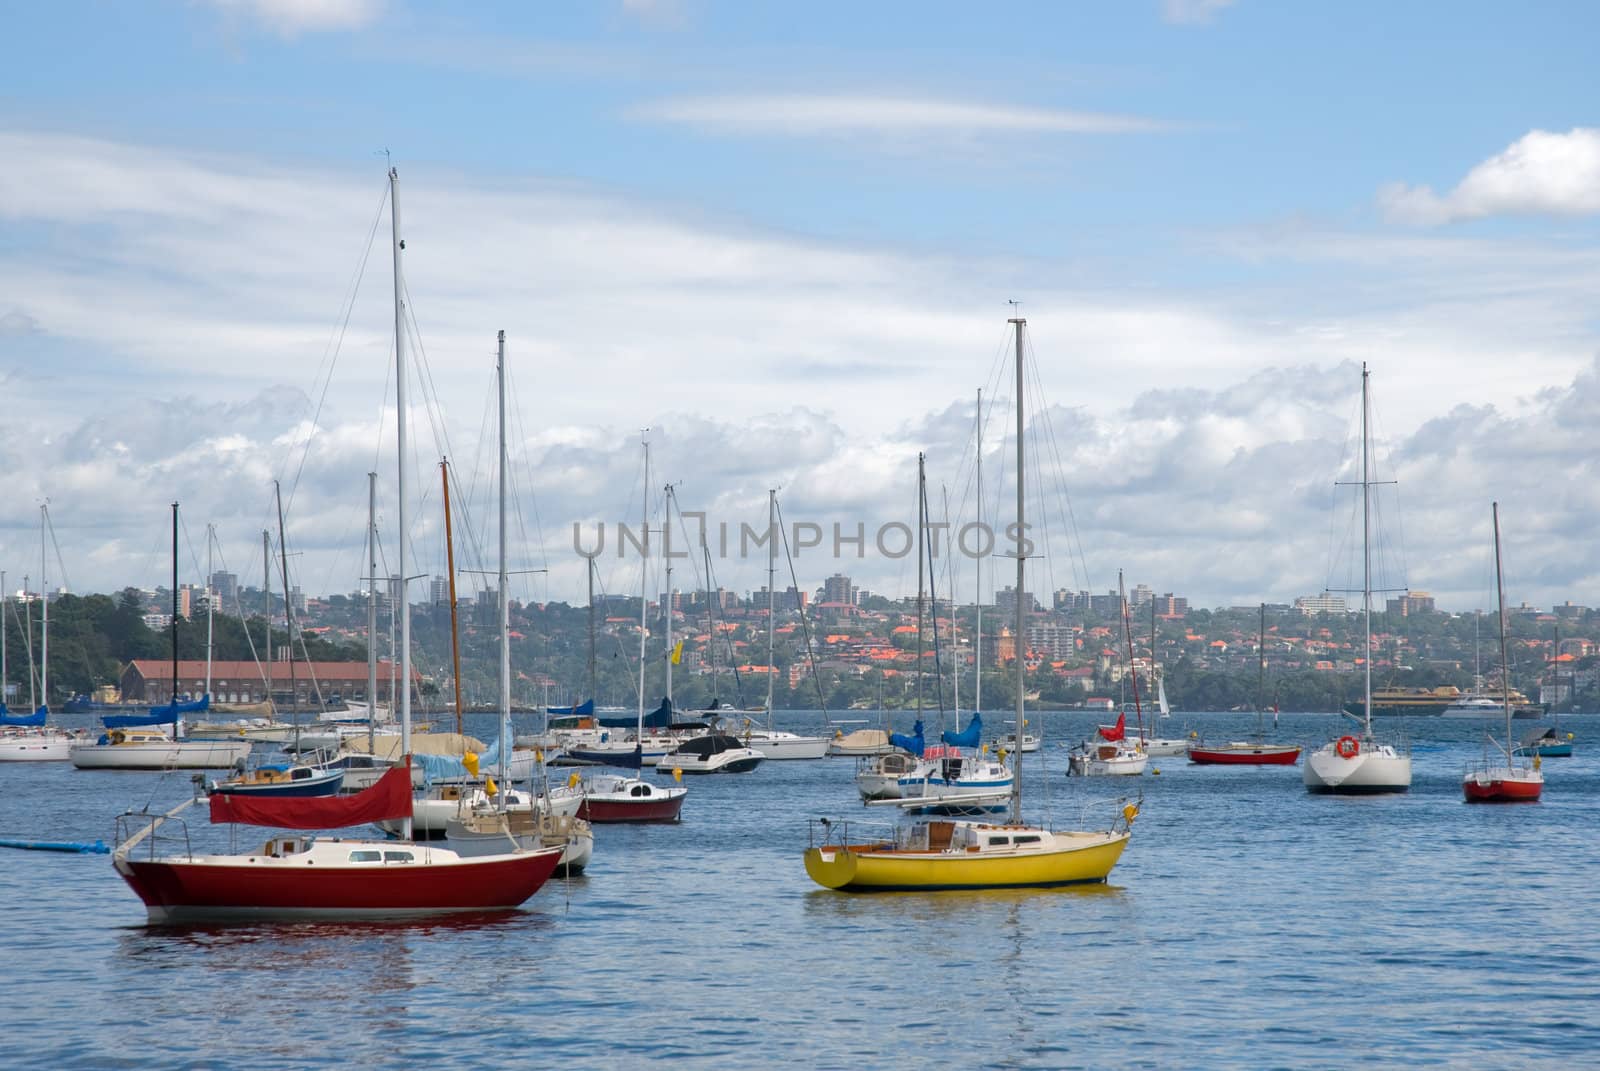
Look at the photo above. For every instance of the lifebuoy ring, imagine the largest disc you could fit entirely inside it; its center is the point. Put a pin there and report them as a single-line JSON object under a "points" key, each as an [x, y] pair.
{"points": [[1348, 747]]}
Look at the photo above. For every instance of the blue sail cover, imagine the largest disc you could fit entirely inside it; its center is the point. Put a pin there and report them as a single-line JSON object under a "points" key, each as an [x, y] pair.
{"points": [[659, 718], [156, 715], [33, 720], [583, 709], [971, 736], [912, 743]]}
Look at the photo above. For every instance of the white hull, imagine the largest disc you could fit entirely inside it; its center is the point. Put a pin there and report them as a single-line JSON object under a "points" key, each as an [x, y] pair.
{"points": [[163, 755], [1120, 766], [780, 745], [267, 732], [49, 746], [1375, 768], [1030, 743], [486, 835], [1167, 746]]}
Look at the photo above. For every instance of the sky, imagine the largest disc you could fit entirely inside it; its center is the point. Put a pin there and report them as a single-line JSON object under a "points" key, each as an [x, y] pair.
{"points": [[786, 240]]}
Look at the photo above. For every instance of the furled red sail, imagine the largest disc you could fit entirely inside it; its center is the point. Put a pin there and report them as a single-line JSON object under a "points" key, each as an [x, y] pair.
{"points": [[1117, 731], [389, 798]]}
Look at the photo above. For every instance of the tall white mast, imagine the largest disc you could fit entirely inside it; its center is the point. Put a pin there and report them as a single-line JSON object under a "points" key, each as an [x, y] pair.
{"points": [[211, 535], [1505, 664], [644, 601], [977, 586], [44, 605], [44, 602], [266, 614], [400, 478], [1020, 645], [772, 598], [502, 580], [4, 678], [372, 608], [666, 559], [1366, 555]]}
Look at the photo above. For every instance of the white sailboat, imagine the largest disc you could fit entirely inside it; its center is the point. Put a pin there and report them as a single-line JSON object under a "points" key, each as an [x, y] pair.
{"points": [[1361, 764], [775, 743], [29, 737]]}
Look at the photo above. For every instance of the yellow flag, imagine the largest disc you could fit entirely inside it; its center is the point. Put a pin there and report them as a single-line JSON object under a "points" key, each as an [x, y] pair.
{"points": [[677, 653], [677, 774], [573, 779]]}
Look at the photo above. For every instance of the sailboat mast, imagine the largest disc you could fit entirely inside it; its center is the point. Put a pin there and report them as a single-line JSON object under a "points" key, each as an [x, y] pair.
{"points": [[922, 526], [593, 687], [772, 572], [1505, 664], [1020, 646], [372, 608], [502, 581], [266, 613], [44, 610], [211, 535], [27, 634], [1366, 555], [5, 678], [400, 478], [288, 617], [450, 568], [174, 699], [977, 587], [666, 559], [1261, 670], [644, 602]]}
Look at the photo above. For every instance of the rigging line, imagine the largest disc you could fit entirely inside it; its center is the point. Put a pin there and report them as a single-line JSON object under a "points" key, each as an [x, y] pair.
{"points": [[1069, 518], [805, 630], [523, 438], [330, 353], [61, 564]]}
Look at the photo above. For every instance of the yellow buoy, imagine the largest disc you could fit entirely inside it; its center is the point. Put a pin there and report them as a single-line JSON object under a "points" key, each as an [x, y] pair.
{"points": [[677, 774]]}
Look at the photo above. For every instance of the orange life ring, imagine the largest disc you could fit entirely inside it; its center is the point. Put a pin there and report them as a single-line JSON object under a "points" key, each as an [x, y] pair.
{"points": [[1348, 747]]}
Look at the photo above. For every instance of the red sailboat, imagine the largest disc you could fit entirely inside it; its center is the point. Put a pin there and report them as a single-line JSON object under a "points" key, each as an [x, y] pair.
{"points": [[312, 877], [1258, 750], [315, 877], [1503, 778]]}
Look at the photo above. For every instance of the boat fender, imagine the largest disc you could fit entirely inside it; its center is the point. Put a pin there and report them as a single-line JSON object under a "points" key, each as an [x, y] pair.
{"points": [[1536, 758], [1348, 747]]}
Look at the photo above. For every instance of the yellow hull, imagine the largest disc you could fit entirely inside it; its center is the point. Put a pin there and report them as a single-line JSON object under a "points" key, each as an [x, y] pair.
{"points": [[1075, 858]]}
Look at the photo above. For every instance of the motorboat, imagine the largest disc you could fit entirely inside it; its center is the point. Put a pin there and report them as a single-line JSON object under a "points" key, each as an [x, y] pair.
{"points": [[1107, 758], [712, 753], [618, 798], [282, 779]]}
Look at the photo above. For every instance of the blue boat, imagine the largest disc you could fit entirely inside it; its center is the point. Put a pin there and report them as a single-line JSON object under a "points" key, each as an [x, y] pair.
{"points": [[1547, 744]]}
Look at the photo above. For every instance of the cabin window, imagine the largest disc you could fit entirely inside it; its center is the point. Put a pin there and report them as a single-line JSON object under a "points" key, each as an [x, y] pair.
{"points": [[1034, 839], [300, 774], [641, 790], [397, 857], [993, 841], [366, 857]]}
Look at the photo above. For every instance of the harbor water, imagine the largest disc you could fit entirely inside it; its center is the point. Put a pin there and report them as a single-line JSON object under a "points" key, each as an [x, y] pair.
{"points": [[1249, 924]]}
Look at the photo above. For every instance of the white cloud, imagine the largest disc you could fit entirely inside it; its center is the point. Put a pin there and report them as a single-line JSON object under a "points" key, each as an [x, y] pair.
{"points": [[178, 308], [811, 114], [292, 17], [1541, 173], [1192, 12]]}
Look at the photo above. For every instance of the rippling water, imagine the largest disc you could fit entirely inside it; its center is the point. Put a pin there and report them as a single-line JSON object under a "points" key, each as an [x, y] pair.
{"points": [[1248, 924]]}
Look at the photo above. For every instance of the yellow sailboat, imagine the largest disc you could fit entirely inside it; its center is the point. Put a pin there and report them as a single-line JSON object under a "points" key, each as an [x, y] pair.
{"points": [[968, 854]]}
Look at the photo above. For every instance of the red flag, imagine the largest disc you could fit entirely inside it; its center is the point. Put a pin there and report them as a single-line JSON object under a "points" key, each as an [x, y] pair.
{"points": [[1117, 731]]}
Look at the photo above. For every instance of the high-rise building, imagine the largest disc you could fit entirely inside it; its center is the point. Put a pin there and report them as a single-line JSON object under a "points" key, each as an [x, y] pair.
{"points": [[439, 591], [838, 588], [226, 585], [1412, 602], [1005, 601], [1320, 604]]}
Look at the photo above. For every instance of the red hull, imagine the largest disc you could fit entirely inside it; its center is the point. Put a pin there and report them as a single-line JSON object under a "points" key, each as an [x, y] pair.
{"points": [[663, 809], [1497, 791], [180, 890], [1262, 756]]}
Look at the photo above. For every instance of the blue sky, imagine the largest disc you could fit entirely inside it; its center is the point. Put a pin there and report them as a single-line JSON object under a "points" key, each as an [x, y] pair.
{"points": [[784, 237]]}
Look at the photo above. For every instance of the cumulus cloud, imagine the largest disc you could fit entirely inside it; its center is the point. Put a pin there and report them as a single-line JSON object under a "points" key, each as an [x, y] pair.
{"points": [[290, 18], [185, 308], [813, 114], [1541, 173]]}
